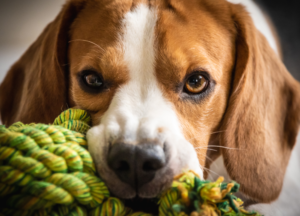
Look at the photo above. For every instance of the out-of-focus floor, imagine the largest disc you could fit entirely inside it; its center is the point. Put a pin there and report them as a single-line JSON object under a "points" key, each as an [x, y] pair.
{"points": [[21, 22]]}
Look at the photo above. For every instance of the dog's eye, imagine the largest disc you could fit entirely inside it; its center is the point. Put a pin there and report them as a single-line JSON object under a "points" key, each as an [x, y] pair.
{"points": [[93, 80], [196, 84]]}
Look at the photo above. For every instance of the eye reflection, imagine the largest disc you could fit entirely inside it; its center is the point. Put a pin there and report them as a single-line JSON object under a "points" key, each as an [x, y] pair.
{"points": [[93, 80], [196, 84]]}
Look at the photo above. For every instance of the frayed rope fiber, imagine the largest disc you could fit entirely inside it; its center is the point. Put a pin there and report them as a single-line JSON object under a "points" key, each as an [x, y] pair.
{"points": [[47, 170]]}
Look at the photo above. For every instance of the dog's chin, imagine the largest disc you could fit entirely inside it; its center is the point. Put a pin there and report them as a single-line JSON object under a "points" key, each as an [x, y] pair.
{"points": [[138, 204], [143, 200], [146, 198], [161, 182], [148, 191]]}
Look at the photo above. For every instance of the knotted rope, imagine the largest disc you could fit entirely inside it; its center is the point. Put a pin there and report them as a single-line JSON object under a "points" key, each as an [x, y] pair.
{"points": [[47, 170]]}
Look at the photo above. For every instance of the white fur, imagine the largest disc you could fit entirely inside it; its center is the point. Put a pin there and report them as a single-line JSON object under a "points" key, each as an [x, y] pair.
{"points": [[259, 20], [138, 110]]}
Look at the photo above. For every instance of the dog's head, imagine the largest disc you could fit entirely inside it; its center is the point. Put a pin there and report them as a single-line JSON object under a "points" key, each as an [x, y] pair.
{"points": [[164, 81]]}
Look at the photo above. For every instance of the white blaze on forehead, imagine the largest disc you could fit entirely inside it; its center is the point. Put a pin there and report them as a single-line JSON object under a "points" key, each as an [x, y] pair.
{"points": [[138, 42], [140, 102]]}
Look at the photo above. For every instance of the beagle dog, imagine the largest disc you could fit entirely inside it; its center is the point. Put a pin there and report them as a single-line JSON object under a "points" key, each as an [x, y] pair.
{"points": [[171, 85]]}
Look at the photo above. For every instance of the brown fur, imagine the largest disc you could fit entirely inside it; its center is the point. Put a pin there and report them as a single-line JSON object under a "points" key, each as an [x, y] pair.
{"points": [[255, 103], [181, 50]]}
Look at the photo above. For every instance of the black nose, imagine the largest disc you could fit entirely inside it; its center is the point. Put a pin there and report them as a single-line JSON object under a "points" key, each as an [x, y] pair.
{"points": [[136, 164]]}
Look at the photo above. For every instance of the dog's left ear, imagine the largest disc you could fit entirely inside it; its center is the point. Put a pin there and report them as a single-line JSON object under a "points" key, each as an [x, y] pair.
{"points": [[262, 118], [35, 88]]}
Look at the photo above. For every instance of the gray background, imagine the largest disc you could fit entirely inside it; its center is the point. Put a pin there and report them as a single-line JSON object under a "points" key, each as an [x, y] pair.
{"points": [[21, 21]]}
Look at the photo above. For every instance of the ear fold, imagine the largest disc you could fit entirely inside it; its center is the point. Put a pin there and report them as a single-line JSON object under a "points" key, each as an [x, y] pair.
{"points": [[263, 115], [34, 90]]}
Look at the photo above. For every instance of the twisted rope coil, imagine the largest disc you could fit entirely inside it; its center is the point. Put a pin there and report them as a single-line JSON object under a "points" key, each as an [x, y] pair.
{"points": [[43, 166], [47, 170]]}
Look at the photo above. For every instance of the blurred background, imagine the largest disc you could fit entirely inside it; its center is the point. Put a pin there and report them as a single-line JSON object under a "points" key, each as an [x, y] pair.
{"points": [[285, 14], [21, 21]]}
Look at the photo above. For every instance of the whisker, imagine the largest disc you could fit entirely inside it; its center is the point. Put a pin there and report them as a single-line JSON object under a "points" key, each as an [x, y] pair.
{"points": [[88, 42], [206, 148], [209, 134], [210, 171], [207, 169], [217, 146], [218, 132], [211, 149], [205, 156]]}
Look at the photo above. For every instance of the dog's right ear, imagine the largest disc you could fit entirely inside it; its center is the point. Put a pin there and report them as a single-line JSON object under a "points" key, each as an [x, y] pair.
{"points": [[35, 88]]}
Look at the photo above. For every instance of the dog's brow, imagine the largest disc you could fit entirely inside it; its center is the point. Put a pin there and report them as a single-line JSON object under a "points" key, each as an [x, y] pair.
{"points": [[87, 41]]}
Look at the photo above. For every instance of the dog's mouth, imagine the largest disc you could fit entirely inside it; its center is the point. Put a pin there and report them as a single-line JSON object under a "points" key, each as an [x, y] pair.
{"points": [[138, 204]]}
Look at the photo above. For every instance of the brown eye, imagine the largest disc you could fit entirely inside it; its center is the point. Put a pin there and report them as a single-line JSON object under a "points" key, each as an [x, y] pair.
{"points": [[196, 84], [93, 80]]}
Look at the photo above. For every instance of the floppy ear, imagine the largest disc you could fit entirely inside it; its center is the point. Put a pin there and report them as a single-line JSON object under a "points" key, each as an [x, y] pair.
{"points": [[35, 88], [263, 114]]}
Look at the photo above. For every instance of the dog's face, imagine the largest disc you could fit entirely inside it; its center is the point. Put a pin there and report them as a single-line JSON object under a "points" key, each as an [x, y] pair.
{"points": [[150, 84], [164, 81]]}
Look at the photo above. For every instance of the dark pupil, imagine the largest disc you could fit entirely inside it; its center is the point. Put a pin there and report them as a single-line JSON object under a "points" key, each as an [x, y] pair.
{"points": [[93, 80], [195, 81]]}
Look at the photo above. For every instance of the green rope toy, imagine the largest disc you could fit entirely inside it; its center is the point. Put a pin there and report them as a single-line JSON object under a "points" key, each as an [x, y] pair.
{"points": [[47, 170]]}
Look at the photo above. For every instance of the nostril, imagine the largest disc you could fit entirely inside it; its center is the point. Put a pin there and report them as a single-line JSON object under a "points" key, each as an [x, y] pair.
{"points": [[122, 166], [121, 158], [150, 166]]}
